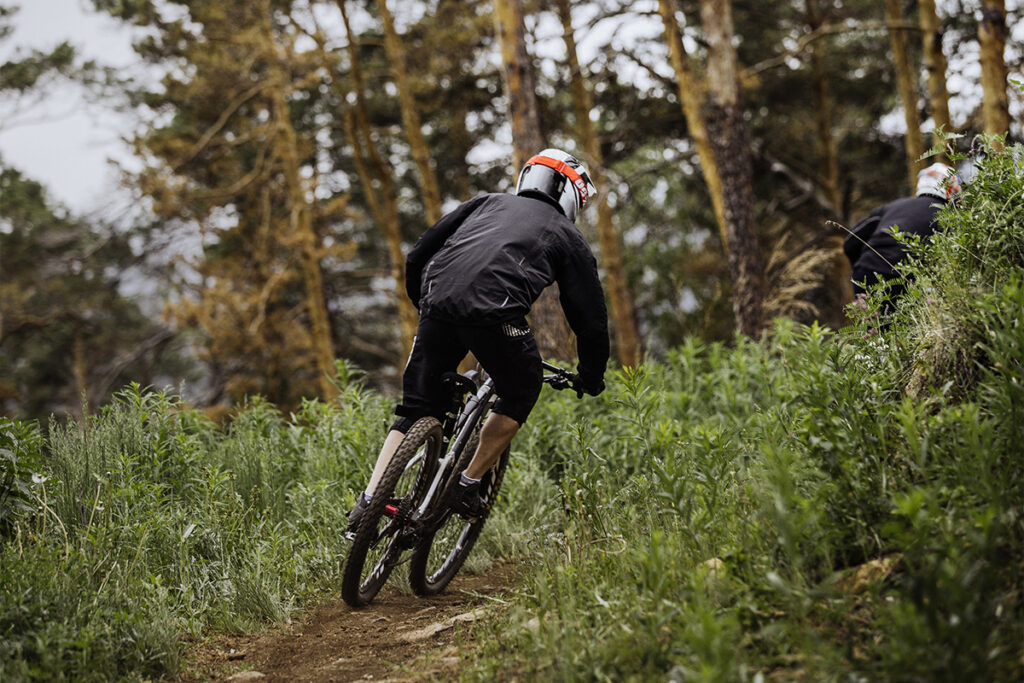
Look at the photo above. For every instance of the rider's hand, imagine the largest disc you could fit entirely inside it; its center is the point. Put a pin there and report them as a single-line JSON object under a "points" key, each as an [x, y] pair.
{"points": [[592, 386]]}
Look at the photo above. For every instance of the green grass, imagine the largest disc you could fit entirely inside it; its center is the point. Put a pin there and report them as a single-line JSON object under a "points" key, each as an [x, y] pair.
{"points": [[814, 505], [148, 522]]}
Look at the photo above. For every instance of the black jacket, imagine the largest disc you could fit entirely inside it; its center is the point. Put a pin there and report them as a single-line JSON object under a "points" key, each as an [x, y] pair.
{"points": [[875, 260], [487, 261]]}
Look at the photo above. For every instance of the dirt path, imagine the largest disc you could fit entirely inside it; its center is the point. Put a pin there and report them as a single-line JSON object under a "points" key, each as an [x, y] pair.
{"points": [[398, 637]]}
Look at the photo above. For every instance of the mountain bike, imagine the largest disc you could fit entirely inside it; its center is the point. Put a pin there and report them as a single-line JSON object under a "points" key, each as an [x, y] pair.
{"points": [[407, 520]]}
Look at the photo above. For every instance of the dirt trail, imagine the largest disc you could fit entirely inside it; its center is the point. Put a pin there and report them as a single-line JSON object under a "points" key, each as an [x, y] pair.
{"points": [[397, 638]]}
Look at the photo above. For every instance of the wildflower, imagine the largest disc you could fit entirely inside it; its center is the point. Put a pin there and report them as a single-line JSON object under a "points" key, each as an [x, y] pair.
{"points": [[38, 479]]}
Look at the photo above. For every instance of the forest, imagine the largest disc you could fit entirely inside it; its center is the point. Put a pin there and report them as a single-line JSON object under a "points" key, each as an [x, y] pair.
{"points": [[290, 153], [777, 484]]}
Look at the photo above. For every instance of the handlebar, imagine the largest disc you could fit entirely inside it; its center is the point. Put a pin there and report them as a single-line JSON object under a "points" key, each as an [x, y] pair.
{"points": [[559, 378]]}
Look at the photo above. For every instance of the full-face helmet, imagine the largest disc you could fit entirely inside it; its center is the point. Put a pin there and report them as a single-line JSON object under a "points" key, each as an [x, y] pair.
{"points": [[940, 181], [558, 176]]}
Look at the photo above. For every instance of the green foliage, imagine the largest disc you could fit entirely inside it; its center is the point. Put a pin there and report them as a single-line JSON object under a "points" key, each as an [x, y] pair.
{"points": [[20, 457], [148, 521], [798, 508], [69, 335]]}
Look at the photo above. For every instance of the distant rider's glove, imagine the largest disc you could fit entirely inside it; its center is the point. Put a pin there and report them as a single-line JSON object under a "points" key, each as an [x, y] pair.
{"points": [[589, 385]]}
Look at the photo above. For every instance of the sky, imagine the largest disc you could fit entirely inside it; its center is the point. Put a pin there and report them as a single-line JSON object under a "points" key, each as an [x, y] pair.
{"points": [[65, 142]]}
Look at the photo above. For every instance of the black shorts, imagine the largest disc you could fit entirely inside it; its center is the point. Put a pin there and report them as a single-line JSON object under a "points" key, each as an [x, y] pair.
{"points": [[508, 352]]}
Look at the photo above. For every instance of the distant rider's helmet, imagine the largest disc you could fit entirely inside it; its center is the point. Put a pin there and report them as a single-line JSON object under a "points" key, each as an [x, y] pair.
{"points": [[938, 180], [559, 176]]}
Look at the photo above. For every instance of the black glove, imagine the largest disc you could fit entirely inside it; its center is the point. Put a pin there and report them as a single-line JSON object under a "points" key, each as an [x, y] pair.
{"points": [[589, 385]]}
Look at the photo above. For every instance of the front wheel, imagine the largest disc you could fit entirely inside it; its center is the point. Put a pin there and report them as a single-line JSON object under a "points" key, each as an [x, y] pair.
{"points": [[438, 557], [386, 527]]}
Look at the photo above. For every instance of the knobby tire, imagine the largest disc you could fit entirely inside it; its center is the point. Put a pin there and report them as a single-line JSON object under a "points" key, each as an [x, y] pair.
{"points": [[437, 558], [378, 528]]}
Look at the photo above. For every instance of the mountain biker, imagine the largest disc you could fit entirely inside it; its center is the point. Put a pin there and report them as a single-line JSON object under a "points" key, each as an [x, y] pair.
{"points": [[474, 276], [872, 248]]}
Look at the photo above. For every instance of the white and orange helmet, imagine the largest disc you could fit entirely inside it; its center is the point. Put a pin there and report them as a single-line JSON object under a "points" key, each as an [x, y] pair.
{"points": [[560, 176], [940, 181]]}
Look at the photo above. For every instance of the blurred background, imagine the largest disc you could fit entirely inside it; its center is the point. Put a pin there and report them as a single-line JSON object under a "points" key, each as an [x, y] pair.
{"points": [[217, 196]]}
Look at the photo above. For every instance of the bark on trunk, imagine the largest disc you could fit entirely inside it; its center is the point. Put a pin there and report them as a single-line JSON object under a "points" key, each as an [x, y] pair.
{"points": [[554, 339], [382, 203], [905, 80], [301, 228], [823, 114], [691, 98], [300, 224], [935, 64], [627, 340], [840, 269], [992, 38], [411, 116], [728, 136]]}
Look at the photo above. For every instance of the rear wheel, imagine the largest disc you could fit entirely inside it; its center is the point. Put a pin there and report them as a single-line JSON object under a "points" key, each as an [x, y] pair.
{"points": [[386, 529], [437, 558]]}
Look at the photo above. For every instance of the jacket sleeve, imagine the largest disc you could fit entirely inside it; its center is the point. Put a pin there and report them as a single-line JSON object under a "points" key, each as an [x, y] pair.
{"points": [[430, 242], [582, 300], [854, 243]]}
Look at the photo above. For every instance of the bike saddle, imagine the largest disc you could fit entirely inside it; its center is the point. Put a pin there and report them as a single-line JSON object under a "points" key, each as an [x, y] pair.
{"points": [[461, 383]]}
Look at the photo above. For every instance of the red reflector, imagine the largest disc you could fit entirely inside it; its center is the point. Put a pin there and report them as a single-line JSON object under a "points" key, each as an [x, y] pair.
{"points": [[390, 509]]}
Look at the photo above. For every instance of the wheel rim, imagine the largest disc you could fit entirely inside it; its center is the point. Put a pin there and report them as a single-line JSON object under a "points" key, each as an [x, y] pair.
{"points": [[449, 542], [449, 547]]}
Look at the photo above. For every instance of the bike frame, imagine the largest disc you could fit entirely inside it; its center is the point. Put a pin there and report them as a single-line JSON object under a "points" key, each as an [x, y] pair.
{"points": [[462, 427]]}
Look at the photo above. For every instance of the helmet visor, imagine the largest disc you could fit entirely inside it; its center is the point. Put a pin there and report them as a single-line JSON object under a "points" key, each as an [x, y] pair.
{"points": [[542, 179]]}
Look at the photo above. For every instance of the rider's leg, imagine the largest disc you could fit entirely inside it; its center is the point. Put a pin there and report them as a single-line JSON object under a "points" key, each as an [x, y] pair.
{"points": [[495, 437], [436, 350], [509, 354], [387, 451]]}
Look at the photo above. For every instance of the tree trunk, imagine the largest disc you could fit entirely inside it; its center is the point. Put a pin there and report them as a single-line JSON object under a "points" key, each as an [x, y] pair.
{"points": [[905, 80], [627, 340], [690, 98], [382, 205], [300, 224], [301, 228], [839, 270], [992, 38], [728, 136], [551, 330], [823, 115], [410, 116], [935, 64], [527, 139]]}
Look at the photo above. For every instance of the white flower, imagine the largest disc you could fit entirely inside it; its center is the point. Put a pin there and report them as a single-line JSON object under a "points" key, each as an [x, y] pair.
{"points": [[38, 479]]}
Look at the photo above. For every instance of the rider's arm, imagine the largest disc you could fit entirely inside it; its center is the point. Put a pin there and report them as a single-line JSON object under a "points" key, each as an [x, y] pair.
{"points": [[430, 242], [583, 302]]}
